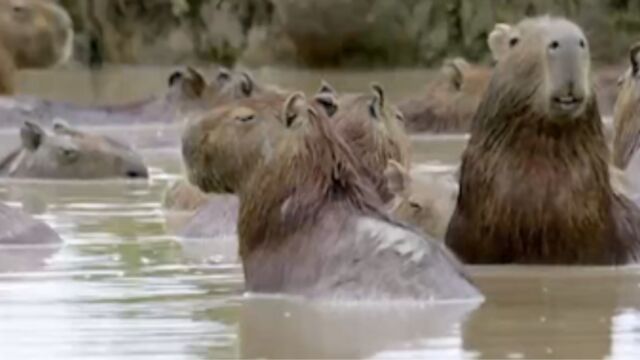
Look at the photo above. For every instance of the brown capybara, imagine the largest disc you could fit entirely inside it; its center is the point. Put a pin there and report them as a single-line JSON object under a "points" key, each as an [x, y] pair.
{"points": [[450, 100], [627, 113], [183, 196], [372, 128], [425, 201], [37, 33], [311, 225], [67, 153], [534, 180]]}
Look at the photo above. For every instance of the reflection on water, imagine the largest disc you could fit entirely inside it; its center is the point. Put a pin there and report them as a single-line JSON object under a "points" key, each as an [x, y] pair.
{"points": [[121, 287]]}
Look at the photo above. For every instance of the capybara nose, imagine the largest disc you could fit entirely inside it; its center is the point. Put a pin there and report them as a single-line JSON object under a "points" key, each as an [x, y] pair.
{"points": [[141, 173]]}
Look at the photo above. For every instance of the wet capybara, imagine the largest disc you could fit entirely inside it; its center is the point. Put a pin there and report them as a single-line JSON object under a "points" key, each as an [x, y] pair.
{"points": [[68, 153], [425, 201], [627, 113], [534, 180], [311, 225], [372, 127], [450, 100]]}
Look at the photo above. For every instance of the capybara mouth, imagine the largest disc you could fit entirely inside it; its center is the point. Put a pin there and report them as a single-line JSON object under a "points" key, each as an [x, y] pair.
{"points": [[567, 103]]}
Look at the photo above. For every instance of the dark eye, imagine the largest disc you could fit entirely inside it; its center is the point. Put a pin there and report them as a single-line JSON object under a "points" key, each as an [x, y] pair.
{"points": [[582, 43], [554, 45], [399, 116], [513, 42], [415, 205], [69, 155], [246, 118], [20, 11]]}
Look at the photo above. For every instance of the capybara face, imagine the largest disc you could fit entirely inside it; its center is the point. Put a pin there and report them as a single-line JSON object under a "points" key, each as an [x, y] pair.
{"points": [[38, 33], [67, 153], [626, 113], [560, 81], [220, 147]]}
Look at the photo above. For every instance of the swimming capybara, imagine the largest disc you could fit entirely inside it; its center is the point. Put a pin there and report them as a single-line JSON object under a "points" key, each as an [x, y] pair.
{"points": [[450, 100], [310, 224], [426, 201], [68, 153], [534, 180], [627, 113], [372, 127]]}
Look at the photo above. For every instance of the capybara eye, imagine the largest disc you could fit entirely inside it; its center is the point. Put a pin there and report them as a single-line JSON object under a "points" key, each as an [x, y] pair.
{"points": [[582, 43], [399, 116], [246, 118], [415, 205], [554, 45], [513, 42]]}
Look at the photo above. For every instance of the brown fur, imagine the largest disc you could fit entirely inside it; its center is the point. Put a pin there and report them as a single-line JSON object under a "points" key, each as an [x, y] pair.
{"points": [[449, 101], [533, 188], [37, 33], [627, 113], [182, 196], [373, 130], [300, 223]]}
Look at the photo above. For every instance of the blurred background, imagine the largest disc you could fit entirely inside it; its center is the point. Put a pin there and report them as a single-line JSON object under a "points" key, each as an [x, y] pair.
{"points": [[327, 33]]}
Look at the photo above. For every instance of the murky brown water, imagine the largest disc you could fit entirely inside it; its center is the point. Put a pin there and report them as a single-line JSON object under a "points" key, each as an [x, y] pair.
{"points": [[121, 287]]}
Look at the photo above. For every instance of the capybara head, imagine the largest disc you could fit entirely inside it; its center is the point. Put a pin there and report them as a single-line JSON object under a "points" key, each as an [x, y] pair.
{"points": [[425, 201], [373, 128], [222, 145], [38, 33], [67, 153], [450, 100], [534, 180], [627, 112]]}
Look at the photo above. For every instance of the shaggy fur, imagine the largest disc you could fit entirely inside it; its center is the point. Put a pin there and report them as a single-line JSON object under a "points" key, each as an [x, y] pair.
{"points": [[310, 224], [627, 113], [535, 188], [450, 101]]}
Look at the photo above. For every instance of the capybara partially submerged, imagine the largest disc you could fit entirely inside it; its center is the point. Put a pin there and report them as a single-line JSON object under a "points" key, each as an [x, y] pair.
{"points": [[534, 181], [372, 128], [450, 100], [310, 224], [627, 113], [426, 201], [67, 153], [18, 228]]}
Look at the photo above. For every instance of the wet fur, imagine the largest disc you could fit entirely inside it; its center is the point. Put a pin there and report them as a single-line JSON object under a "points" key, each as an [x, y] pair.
{"points": [[535, 189], [627, 123], [310, 224]]}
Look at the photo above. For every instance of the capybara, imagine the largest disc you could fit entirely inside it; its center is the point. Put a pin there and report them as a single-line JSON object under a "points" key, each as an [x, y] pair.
{"points": [[534, 180], [18, 228], [372, 127], [311, 225], [627, 113], [450, 100], [426, 201], [68, 153], [38, 33]]}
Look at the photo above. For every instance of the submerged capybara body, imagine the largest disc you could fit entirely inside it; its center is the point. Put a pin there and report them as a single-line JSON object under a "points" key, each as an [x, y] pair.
{"points": [[373, 129], [450, 101], [310, 223], [627, 113], [534, 180], [67, 153]]}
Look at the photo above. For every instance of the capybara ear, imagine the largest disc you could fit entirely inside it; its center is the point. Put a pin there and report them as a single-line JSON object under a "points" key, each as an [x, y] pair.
{"points": [[247, 84], [175, 77], [397, 177], [499, 40], [32, 135], [293, 108], [328, 102], [223, 76], [634, 55], [454, 70], [196, 82], [326, 88], [377, 103]]}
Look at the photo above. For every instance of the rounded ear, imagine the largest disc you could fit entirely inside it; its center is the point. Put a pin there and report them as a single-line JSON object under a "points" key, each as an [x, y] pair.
{"points": [[454, 70], [32, 135], [247, 84], [498, 40], [196, 82], [175, 77], [634, 57], [326, 88], [398, 179], [328, 102], [293, 108], [223, 76], [377, 104]]}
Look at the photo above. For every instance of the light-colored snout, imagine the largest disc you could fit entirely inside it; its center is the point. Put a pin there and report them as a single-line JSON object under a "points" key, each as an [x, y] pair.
{"points": [[569, 66]]}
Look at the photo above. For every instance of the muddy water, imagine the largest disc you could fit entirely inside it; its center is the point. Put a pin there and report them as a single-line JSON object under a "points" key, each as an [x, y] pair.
{"points": [[121, 287]]}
